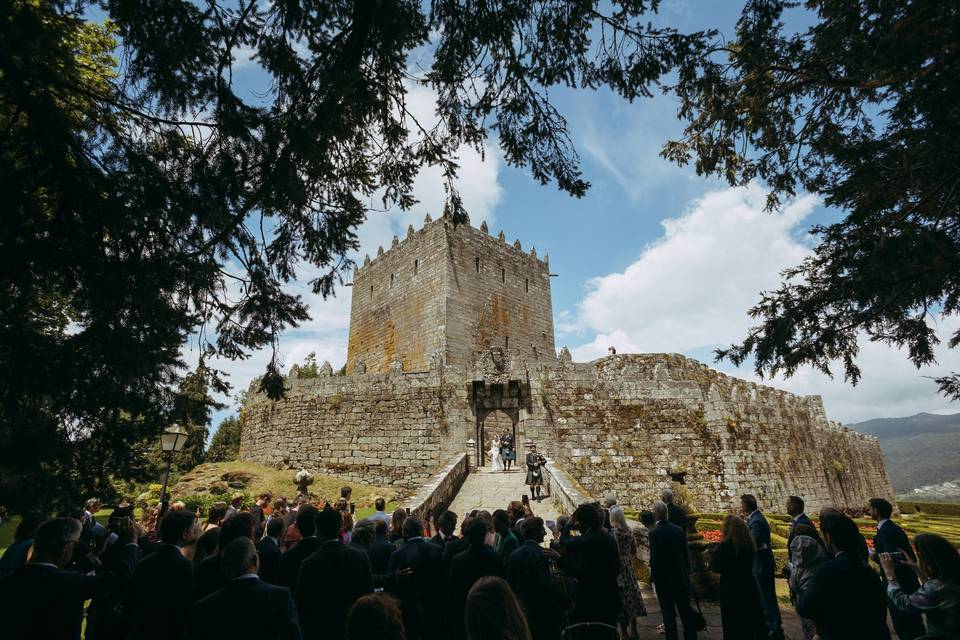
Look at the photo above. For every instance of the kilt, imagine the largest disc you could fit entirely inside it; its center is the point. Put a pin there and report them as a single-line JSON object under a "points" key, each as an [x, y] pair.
{"points": [[534, 477]]}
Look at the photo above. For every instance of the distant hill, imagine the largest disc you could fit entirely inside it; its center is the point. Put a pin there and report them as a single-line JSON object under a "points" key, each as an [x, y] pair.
{"points": [[920, 450]]}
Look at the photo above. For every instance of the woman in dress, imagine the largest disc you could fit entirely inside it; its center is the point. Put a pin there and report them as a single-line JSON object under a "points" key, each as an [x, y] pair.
{"points": [[740, 612], [496, 461], [631, 602]]}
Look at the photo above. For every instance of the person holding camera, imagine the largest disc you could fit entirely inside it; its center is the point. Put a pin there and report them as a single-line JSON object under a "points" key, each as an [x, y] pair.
{"points": [[891, 539]]}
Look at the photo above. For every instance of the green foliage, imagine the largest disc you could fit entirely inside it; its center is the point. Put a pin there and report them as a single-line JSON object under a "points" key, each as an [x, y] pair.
{"points": [[201, 502], [225, 444], [309, 368], [859, 109], [929, 508]]}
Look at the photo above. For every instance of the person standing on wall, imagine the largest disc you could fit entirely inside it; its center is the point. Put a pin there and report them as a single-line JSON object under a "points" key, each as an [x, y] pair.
{"points": [[764, 567], [890, 538], [535, 464]]}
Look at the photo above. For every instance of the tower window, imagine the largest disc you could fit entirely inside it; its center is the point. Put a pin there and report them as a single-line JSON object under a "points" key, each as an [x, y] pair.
{"points": [[526, 284], [371, 291], [416, 267], [503, 275], [476, 262], [506, 342], [391, 281]]}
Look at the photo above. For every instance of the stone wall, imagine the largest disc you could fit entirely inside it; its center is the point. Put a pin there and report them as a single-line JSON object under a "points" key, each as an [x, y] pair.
{"points": [[497, 296], [438, 490], [396, 428], [448, 291], [397, 307], [630, 425]]}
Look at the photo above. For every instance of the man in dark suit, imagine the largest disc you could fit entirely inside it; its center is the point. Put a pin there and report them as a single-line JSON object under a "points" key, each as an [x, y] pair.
{"points": [[245, 607], [380, 548], [678, 515], [163, 581], [528, 572], [890, 538], [764, 567], [422, 591], [844, 597], [455, 546], [795, 510], [670, 573], [446, 527], [593, 559], [330, 581], [269, 551], [208, 576], [290, 562], [467, 567], [41, 601]]}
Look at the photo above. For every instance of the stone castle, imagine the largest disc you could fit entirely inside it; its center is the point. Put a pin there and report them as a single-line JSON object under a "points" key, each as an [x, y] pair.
{"points": [[451, 341]]}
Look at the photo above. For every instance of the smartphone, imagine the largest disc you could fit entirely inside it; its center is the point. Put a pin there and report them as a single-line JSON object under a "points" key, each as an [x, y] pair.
{"points": [[899, 556], [353, 508], [525, 499]]}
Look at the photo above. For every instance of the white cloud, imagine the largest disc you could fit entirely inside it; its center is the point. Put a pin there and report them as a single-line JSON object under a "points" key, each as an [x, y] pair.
{"points": [[689, 292]]}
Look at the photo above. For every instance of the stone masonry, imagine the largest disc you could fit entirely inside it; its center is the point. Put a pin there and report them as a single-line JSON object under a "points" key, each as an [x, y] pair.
{"points": [[457, 336]]}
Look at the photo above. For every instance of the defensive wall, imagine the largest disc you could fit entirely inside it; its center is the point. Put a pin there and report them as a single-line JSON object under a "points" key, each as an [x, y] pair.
{"points": [[626, 424]]}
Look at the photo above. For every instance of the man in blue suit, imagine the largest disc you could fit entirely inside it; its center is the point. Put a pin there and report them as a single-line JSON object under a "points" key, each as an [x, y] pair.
{"points": [[764, 568], [795, 508], [245, 607], [890, 538]]}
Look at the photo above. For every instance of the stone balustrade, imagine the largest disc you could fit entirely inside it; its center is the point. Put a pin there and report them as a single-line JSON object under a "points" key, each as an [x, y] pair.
{"points": [[440, 489]]}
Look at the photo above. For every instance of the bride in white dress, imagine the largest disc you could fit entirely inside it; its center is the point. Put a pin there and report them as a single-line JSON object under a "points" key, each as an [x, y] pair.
{"points": [[496, 460]]}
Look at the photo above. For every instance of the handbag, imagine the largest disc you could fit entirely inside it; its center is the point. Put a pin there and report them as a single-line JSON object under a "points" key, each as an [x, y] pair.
{"points": [[701, 622]]}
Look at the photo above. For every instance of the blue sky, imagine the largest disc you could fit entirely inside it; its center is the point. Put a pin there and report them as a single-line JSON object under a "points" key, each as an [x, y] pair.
{"points": [[652, 259]]}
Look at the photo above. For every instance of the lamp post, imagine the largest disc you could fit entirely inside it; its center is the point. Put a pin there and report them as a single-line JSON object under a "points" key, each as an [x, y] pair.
{"points": [[171, 441]]}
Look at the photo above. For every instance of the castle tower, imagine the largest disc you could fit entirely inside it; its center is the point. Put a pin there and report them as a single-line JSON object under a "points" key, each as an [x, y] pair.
{"points": [[449, 291]]}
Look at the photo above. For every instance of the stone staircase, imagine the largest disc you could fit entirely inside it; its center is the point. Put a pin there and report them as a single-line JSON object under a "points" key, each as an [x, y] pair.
{"points": [[488, 490]]}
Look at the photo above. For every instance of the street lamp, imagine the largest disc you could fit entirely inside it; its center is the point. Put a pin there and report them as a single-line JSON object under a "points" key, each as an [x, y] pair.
{"points": [[171, 441]]}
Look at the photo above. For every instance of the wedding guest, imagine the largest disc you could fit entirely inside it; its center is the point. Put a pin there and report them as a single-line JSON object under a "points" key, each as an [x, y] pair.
{"points": [[890, 538], [380, 548], [678, 515], [844, 598], [269, 551], [218, 511], [797, 516], [163, 582], [245, 607], [457, 545], [376, 616], [236, 504], [493, 613], [446, 527], [42, 600], [289, 566], [206, 546], [467, 567], [631, 602], [380, 511], [594, 560], [16, 554], [938, 598], [505, 542], [764, 566], [396, 525], [528, 572], [807, 555], [209, 577], [670, 574], [330, 581], [422, 593], [740, 612]]}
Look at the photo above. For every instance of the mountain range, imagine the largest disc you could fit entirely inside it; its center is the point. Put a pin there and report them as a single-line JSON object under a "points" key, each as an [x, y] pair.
{"points": [[922, 452]]}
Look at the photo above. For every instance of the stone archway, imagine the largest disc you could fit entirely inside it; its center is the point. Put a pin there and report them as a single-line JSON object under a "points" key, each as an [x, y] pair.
{"points": [[494, 423], [506, 397]]}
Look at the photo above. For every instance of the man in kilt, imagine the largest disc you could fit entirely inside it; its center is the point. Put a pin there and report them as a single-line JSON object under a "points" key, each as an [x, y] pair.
{"points": [[535, 464]]}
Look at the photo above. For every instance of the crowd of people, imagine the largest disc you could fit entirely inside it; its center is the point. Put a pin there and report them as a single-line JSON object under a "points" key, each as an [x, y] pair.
{"points": [[302, 570]]}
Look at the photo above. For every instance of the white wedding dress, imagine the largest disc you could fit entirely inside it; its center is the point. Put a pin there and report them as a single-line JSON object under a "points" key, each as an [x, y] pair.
{"points": [[496, 460]]}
